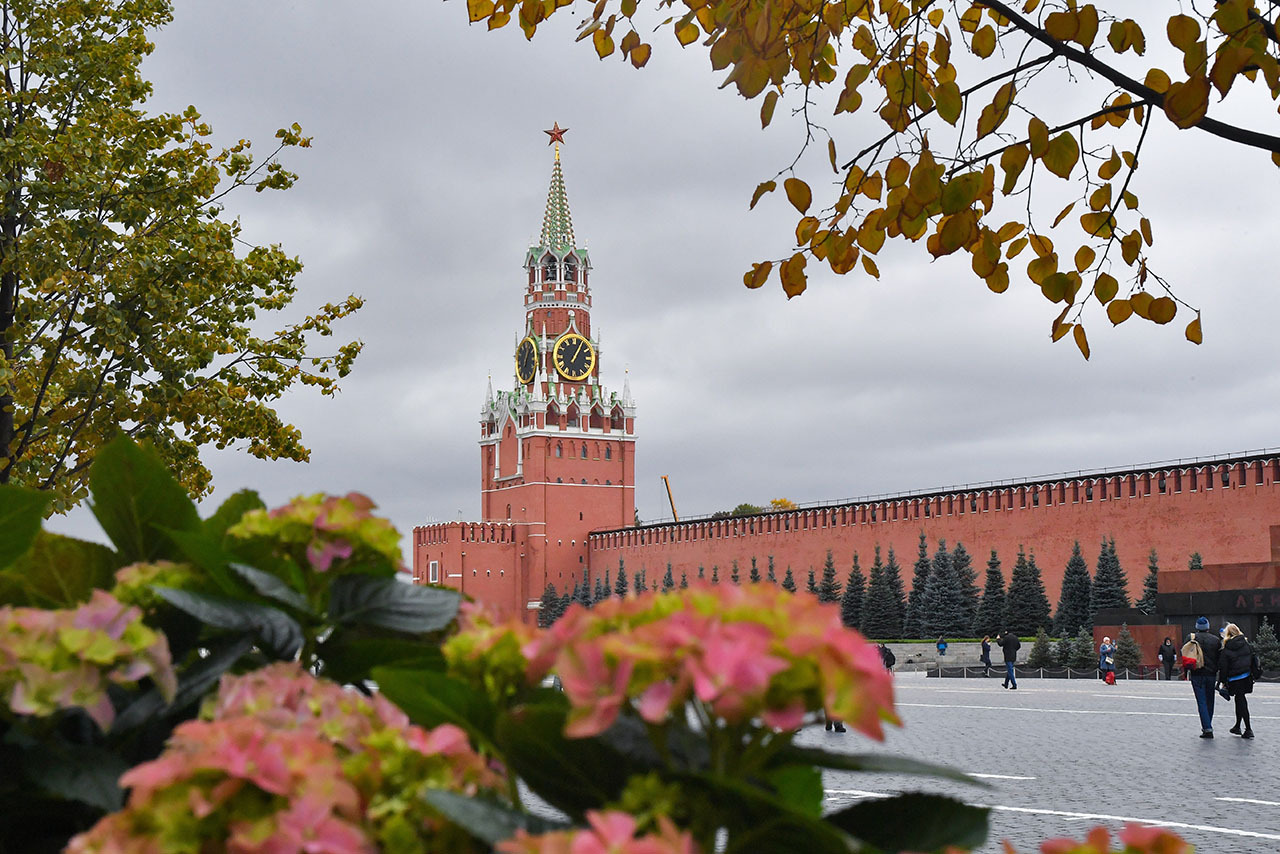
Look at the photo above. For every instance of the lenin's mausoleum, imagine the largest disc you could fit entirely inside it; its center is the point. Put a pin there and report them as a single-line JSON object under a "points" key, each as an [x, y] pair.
{"points": [[557, 479]]}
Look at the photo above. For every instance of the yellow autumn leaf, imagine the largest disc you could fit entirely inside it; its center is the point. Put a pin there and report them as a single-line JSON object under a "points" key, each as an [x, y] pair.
{"points": [[798, 193], [1187, 102], [1062, 154], [1084, 257], [1194, 335], [870, 266], [792, 275], [761, 189], [1183, 31], [1118, 311], [1038, 136], [758, 274], [1013, 160], [1141, 302], [984, 41], [1081, 341], [1162, 310], [805, 229], [896, 173], [1105, 288], [766, 109], [948, 101]]}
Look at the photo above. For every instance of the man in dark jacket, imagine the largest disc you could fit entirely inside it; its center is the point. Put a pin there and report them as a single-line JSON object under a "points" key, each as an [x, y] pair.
{"points": [[1203, 678], [1010, 644]]}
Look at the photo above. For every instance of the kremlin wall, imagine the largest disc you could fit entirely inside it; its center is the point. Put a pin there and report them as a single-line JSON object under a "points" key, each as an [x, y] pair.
{"points": [[557, 482]]}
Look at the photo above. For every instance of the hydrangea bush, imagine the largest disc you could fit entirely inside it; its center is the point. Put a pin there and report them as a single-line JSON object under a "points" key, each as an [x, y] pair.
{"points": [[260, 681]]}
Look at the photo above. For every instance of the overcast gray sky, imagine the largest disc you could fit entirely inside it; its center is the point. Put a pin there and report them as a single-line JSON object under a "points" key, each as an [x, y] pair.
{"points": [[428, 177]]}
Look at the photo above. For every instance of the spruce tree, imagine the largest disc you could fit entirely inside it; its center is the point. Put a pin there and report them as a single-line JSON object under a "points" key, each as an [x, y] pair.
{"points": [[1267, 646], [968, 577], [1128, 655], [1062, 651], [830, 588], [1041, 654], [881, 616], [715, 573], [772, 578], [788, 582], [702, 572], [566, 599], [912, 623], [668, 580], [855, 592], [754, 577], [582, 594], [620, 586], [1073, 602], [1150, 586], [1110, 586], [597, 592], [608, 585], [893, 577], [1195, 562], [944, 608], [812, 586], [547, 609], [733, 573], [684, 580], [638, 580], [990, 620], [1083, 654], [1027, 606]]}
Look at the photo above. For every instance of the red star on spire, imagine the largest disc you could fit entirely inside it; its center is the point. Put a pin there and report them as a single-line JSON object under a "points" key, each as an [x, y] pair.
{"points": [[556, 133]]}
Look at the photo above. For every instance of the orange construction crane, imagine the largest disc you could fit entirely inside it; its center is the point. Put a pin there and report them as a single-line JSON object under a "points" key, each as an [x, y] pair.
{"points": [[670, 500]]}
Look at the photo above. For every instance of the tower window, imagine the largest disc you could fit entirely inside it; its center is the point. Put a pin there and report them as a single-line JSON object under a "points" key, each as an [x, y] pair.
{"points": [[584, 454], [608, 452], [584, 481], [559, 480], [570, 269], [559, 450]]}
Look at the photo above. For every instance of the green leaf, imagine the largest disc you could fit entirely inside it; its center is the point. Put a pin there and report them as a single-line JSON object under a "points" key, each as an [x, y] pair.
{"points": [[230, 512], [431, 698], [686, 749], [21, 512], [76, 772], [58, 572], [193, 683], [874, 763], [271, 587], [914, 822], [573, 776], [761, 823], [350, 656], [134, 497], [489, 821], [278, 632], [798, 786], [391, 604], [201, 549]]}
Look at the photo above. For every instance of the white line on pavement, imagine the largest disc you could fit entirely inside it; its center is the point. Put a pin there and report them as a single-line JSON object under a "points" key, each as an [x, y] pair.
{"points": [[1245, 801], [1207, 828], [1108, 712], [998, 776]]}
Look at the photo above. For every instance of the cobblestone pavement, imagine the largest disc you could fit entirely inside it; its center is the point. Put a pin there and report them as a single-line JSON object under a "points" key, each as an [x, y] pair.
{"points": [[1062, 756]]}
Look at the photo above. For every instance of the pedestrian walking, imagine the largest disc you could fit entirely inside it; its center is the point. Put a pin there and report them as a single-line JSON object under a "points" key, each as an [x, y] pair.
{"points": [[1235, 673], [887, 656], [834, 723], [986, 655], [1107, 661], [1200, 659], [942, 646], [1166, 654], [1010, 644]]}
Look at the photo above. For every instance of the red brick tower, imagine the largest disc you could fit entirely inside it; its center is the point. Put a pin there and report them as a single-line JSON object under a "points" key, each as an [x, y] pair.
{"points": [[557, 451]]}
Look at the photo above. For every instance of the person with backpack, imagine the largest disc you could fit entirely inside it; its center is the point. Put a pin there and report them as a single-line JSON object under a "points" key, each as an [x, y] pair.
{"points": [[887, 656], [1107, 661], [1010, 644], [1236, 666], [1200, 659]]}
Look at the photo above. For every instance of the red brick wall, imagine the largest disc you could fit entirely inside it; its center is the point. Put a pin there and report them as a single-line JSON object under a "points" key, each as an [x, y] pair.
{"points": [[1225, 525]]}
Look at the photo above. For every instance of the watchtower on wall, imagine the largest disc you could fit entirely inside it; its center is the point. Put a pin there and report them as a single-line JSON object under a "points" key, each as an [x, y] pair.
{"points": [[557, 449]]}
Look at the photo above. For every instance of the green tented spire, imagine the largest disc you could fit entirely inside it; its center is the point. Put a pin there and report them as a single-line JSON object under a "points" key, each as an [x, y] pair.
{"points": [[557, 224]]}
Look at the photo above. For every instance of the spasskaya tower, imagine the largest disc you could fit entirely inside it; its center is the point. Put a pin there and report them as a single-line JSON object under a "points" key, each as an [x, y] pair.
{"points": [[557, 449]]}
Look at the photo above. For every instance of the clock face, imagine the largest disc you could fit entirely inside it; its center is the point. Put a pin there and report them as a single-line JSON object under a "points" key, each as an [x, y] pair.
{"points": [[526, 360], [574, 357]]}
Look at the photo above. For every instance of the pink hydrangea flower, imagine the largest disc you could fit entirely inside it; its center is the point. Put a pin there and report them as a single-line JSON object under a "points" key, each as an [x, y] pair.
{"points": [[609, 832]]}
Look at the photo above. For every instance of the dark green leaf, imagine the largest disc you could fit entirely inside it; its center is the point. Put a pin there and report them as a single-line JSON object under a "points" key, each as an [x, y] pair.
{"points": [[271, 586], [431, 698], [230, 512], [878, 763], [571, 775], [76, 772], [279, 633], [914, 822], [759, 822], [134, 496], [799, 786], [486, 820], [199, 548], [193, 683], [686, 750], [350, 656], [391, 604], [21, 512], [59, 572]]}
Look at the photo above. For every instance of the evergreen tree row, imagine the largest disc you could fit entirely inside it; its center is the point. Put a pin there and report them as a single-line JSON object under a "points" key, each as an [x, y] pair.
{"points": [[944, 599]]}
